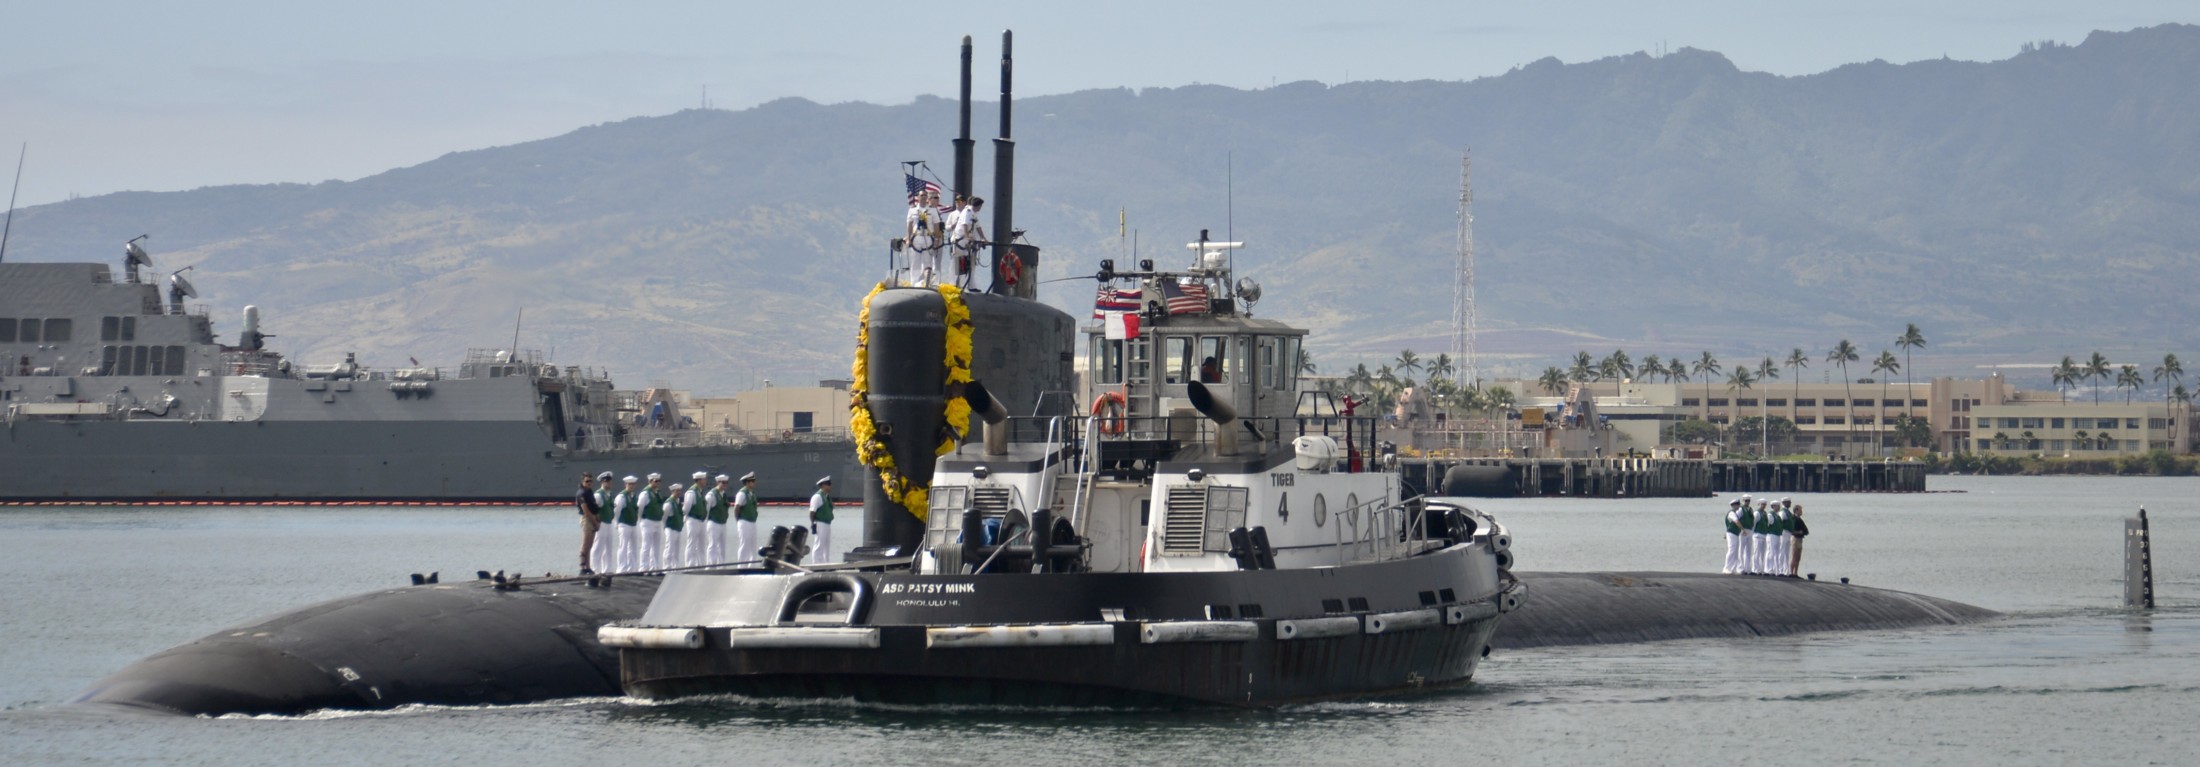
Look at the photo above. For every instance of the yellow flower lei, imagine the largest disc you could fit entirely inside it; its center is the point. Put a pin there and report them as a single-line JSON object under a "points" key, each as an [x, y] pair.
{"points": [[869, 448]]}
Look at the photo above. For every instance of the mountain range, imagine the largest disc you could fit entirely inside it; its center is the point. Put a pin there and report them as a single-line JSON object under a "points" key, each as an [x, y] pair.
{"points": [[2016, 210]]}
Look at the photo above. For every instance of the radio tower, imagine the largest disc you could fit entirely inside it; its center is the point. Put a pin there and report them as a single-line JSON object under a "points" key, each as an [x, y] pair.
{"points": [[1462, 305]]}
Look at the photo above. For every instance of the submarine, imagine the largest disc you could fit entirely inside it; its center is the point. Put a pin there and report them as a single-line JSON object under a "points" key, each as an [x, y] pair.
{"points": [[990, 587]]}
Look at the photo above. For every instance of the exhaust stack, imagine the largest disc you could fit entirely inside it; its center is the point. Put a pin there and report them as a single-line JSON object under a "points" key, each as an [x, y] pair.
{"points": [[964, 146]]}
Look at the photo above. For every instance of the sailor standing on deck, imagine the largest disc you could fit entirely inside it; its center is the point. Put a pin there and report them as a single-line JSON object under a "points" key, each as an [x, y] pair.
{"points": [[821, 520], [1733, 537], [698, 520], [674, 552], [714, 541], [604, 554], [967, 235], [1767, 537], [651, 502], [584, 501], [1786, 547], [744, 515], [921, 229], [630, 519]]}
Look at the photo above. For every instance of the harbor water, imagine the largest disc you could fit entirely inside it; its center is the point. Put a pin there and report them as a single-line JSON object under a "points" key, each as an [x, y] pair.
{"points": [[2066, 678]]}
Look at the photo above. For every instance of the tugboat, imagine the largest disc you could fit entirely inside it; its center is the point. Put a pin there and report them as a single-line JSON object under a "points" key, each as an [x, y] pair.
{"points": [[1205, 533]]}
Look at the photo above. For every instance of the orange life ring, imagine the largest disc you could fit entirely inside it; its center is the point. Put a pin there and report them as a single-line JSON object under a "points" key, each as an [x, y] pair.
{"points": [[1110, 409], [1012, 267]]}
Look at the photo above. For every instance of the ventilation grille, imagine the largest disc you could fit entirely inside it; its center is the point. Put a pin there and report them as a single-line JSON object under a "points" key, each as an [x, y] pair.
{"points": [[1185, 523]]}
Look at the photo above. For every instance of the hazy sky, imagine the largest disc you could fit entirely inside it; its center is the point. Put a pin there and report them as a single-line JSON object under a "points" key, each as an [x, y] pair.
{"points": [[118, 96]]}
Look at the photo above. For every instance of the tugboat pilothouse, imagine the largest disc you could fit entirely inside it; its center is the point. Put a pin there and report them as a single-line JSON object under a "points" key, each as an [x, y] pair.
{"points": [[1204, 532]]}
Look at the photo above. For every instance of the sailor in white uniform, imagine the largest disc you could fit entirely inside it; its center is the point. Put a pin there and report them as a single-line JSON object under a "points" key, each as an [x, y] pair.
{"points": [[1762, 564], [698, 520], [1733, 537], [674, 551], [630, 536], [821, 521], [921, 227], [744, 515], [1786, 539], [714, 541], [652, 537], [964, 237]]}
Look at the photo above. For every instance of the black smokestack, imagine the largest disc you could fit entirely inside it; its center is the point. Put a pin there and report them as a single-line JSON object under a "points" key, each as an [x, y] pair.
{"points": [[964, 147], [1004, 172]]}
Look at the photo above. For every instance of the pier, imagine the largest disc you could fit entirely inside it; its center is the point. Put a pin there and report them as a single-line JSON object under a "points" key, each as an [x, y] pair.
{"points": [[1657, 477]]}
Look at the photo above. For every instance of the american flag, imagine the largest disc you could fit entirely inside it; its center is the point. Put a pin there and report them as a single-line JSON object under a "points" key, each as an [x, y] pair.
{"points": [[1113, 300], [918, 186], [1184, 299]]}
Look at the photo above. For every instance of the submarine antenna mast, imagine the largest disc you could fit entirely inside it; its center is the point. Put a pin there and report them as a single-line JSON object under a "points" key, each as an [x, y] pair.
{"points": [[1462, 305], [9, 228]]}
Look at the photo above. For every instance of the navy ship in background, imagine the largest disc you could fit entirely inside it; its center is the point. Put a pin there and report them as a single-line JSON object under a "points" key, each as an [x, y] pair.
{"points": [[109, 394]]}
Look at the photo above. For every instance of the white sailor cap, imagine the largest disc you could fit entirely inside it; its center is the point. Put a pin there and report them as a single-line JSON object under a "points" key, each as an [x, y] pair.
{"points": [[749, 477], [631, 479], [677, 486], [723, 478], [1735, 502], [825, 480], [701, 475], [1785, 499], [654, 476], [606, 476], [1745, 497]]}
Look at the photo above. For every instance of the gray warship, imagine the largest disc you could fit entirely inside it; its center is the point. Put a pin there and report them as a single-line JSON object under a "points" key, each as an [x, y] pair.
{"points": [[109, 394]]}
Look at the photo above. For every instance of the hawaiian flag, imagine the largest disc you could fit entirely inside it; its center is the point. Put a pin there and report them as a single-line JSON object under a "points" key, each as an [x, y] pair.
{"points": [[1113, 301], [1184, 299]]}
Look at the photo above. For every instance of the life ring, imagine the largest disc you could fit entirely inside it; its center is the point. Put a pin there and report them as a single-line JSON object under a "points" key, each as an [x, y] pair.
{"points": [[1012, 267], [1110, 409]]}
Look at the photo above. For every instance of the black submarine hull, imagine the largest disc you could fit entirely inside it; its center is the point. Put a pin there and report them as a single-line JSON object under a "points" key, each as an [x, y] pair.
{"points": [[469, 644]]}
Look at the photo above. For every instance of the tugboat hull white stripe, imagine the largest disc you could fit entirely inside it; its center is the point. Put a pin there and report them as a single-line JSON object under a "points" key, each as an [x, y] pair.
{"points": [[953, 637], [650, 638], [1199, 631], [826, 638], [1316, 628], [1405, 621]]}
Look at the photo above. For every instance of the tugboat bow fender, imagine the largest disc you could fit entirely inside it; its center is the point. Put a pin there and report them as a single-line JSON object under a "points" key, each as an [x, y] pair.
{"points": [[805, 588], [1062, 635], [772, 637], [643, 638], [1170, 632]]}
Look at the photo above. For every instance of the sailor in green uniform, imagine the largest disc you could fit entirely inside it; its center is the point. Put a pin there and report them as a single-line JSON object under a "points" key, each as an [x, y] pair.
{"points": [[630, 535], [1733, 537], [744, 515], [821, 520], [651, 502], [674, 551], [698, 517], [714, 540], [1761, 564], [602, 551]]}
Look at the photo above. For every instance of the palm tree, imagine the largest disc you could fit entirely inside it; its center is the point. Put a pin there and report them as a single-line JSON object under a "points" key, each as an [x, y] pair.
{"points": [[1736, 382], [1842, 354], [1910, 339], [2129, 379], [1677, 372], [1796, 361], [1442, 367], [1651, 368], [1553, 380], [1359, 377], [2096, 367], [1584, 367], [1619, 365], [1707, 366], [1408, 363], [1885, 364], [2170, 369], [2064, 373], [1306, 362]]}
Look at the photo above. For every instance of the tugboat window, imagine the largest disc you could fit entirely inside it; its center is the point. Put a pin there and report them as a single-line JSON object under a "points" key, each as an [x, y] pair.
{"points": [[1178, 352], [1107, 360], [1213, 355], [1268, 362], [7, 330], [30, 331], [57, 329], [109, 327]]}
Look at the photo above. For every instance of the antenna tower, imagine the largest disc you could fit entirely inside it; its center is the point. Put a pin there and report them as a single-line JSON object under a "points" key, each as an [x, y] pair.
{"points": [[1462, 305]]}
